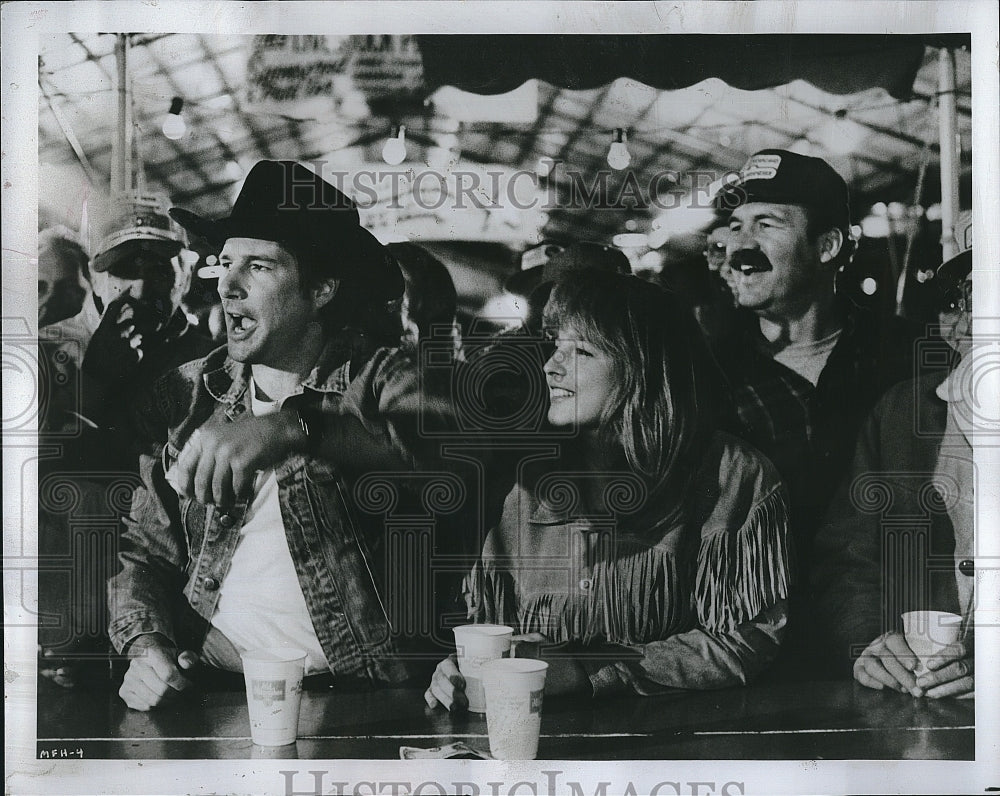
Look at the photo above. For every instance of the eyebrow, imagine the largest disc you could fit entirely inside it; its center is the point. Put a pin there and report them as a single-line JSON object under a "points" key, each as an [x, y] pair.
{"points": [[777, 213], [258, 257]]}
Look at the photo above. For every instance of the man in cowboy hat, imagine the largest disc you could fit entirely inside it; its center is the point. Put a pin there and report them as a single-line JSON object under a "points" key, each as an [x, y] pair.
{"points": [[915, 450], [244, 533]]}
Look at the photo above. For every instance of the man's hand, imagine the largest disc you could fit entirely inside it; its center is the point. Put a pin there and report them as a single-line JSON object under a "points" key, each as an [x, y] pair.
{"points": [[888, 662], [220, 460], [117, 345], [447, 687], [155, 672], [951, 672]]}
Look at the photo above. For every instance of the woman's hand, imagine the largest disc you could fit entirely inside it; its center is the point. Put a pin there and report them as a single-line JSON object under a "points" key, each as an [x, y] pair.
{"points": [[951, 673], [447, 687], [888, 662], [564, 675]]}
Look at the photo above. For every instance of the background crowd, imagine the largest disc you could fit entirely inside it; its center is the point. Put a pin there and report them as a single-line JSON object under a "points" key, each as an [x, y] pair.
{"points": [[659, 486]]}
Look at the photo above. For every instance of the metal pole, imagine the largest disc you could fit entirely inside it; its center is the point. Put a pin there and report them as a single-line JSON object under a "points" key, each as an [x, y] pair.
{"points": [[121, 154], [947, 127]]}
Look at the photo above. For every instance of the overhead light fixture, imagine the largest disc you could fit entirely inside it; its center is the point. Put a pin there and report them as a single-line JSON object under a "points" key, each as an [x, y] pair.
{"points": [[173, 126], [394, 151], [618, 154]]}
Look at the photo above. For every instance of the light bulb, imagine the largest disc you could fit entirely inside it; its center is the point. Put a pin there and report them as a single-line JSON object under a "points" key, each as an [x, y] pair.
{"points": [[618, 155], [394, 151], [174, 127]]}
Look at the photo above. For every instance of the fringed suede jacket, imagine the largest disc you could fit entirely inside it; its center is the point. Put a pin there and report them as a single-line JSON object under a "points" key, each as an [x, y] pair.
{"points": [[698, 603]]}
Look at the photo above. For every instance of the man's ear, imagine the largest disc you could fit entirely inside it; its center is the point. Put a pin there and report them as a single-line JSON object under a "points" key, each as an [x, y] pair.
{"points": [[830, 243], [324, 292]]}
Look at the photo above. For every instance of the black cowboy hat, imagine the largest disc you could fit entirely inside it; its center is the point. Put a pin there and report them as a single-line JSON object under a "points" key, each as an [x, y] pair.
{"points": [[285, 202]]}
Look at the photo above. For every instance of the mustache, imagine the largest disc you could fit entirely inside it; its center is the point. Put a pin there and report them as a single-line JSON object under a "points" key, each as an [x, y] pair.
{"points": [[750, 261]]}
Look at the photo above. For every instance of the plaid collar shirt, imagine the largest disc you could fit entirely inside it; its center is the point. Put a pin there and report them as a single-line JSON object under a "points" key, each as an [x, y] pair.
{"points": [[808, 431]]}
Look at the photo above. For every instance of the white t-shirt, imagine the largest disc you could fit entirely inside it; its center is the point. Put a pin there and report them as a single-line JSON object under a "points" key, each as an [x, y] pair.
{"points": [[260, 600], [808, 359]]}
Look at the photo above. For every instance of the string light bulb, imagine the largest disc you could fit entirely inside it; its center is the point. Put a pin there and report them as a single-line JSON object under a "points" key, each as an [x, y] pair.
{"points": [[618, 155], [173, 126], [394, 151]]}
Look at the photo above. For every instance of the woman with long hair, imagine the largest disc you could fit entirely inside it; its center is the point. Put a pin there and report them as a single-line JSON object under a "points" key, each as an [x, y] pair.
{"points": [[651, 552]]}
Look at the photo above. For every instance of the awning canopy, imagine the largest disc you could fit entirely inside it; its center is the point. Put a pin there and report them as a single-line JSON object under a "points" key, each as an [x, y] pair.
{"points": [[691, 105], [839, 64]]}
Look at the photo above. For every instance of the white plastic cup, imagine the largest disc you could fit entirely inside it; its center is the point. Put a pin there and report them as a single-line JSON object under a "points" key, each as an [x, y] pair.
{"points": [[929, 632], [274, 689], [515, 688], [477, 645]]}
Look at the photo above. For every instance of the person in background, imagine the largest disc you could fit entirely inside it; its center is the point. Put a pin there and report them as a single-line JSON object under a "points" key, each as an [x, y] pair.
{"points": [[651, 552], [131, 327], [534, 283], [430, 301], [716, 310], [129, 331], [717, 260], [805, 364], [62, 280], [913, 459]]}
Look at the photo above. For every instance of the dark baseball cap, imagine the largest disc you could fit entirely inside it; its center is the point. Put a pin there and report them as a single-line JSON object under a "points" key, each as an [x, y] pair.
{"points": [[788, 178], [561, 260]]}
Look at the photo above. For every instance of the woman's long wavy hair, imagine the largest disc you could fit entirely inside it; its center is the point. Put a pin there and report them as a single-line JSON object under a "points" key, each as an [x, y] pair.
{"points": [[665, 404]]}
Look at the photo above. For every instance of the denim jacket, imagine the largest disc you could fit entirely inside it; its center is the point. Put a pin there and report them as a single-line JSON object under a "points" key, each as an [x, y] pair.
{"points": [[178, 551]]}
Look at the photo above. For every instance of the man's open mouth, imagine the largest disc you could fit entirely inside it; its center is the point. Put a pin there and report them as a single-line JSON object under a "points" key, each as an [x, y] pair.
{"points": [[239, 325]]}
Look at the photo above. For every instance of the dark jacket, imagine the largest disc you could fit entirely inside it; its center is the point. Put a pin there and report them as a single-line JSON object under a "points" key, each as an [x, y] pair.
{"points": [[808, 431], [888, 544]]}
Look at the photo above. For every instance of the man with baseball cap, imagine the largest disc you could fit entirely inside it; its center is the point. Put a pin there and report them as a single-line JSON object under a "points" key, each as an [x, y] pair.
{"points": [[247, 531], [129, 331], [131, 327], [807, 365], [913, 460]]}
